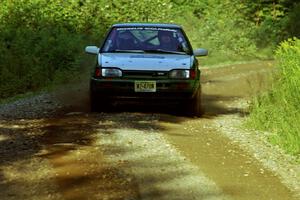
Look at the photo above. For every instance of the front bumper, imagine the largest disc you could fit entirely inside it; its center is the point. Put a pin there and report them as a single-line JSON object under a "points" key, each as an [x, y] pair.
{"points": [[124, 89]]}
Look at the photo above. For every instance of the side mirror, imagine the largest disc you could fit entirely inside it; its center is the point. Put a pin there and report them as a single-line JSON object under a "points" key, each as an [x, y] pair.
{"points": [[92, 49], [200, 52]]}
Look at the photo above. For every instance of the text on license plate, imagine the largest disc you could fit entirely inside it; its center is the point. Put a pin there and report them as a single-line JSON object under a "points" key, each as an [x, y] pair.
{"points": [[145, 86]]}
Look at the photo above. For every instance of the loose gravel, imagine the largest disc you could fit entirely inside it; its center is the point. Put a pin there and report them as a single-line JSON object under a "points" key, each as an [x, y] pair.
{"points": [[285, 166], [160, 170], [39, 106]]}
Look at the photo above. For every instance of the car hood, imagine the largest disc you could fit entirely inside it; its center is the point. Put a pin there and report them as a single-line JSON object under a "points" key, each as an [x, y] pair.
{"points": [[132, 61]]}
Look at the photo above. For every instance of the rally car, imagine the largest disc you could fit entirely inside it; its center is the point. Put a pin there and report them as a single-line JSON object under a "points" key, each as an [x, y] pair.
{"points": [[146, 62]]}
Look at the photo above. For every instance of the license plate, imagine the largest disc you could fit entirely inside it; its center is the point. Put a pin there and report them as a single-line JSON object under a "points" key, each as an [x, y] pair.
{"points": [[145, 86]]}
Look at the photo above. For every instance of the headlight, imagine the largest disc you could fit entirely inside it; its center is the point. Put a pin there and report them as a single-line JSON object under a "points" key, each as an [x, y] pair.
{"points": [[179, 74], [111, 72]]}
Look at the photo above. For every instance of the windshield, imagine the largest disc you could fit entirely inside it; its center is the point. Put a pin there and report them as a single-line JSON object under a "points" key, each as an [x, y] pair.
{"points": [[146, 39]]}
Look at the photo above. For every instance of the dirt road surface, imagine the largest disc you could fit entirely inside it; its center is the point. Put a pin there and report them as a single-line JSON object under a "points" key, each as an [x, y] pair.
{"points": [[52, 147]]}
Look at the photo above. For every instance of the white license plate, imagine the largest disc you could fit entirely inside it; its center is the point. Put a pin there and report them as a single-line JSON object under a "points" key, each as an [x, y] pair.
{"points": [[145, 86]]}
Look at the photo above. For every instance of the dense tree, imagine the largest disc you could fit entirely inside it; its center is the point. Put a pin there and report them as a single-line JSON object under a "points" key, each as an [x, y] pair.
{"points": [[276, 20]]}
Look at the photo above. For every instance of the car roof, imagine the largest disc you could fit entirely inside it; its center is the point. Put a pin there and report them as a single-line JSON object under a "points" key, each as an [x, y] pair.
{"points": [[158, 25]]}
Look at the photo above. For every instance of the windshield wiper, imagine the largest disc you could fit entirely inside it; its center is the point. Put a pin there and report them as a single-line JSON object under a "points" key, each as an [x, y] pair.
{"points": [[164, 51], [126, 51], [147, 51]]}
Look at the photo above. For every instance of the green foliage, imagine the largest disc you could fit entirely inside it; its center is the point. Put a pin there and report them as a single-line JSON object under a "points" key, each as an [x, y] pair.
{"points": [[220, 27], [136, 11], [42, 41], [34, 46], [275, 20], [278, 110], [293, 22]]}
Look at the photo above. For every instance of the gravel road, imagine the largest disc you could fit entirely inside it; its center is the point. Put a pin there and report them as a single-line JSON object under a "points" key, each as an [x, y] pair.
{"points": [[52, 147]]}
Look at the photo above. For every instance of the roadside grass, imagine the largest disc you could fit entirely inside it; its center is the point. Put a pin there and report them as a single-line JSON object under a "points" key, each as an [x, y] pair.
{"points": [[277, 111], [60, 80], [20, 96]]}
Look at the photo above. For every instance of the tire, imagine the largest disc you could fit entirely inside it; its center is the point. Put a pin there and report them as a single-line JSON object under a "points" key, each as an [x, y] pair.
{"points": [[194, 106], [99, 104], [94, 103]]}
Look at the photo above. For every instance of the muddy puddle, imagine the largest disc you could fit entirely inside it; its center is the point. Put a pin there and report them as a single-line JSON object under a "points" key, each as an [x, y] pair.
{"points": [[80, 167]]}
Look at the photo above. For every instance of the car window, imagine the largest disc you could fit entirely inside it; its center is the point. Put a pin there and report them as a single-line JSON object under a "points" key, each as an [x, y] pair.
{"points": [[145, 39]]}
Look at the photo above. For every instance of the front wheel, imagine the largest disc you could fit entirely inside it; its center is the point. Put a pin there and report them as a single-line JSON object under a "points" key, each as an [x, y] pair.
{"points": [[94, 102], [194, 105], [98, 104]]}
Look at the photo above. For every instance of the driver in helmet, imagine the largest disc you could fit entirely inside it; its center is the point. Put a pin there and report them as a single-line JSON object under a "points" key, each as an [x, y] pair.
{"points": [[167, 41]]}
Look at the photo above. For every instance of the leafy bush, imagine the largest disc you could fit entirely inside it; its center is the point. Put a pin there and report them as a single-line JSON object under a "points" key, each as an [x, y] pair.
{"points": [[274, 21], [278, 110], [220, 27], [42, 41], [34, 46]]}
